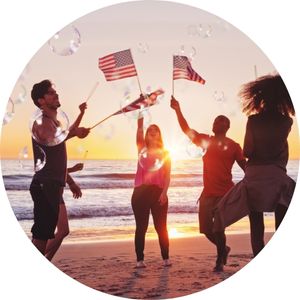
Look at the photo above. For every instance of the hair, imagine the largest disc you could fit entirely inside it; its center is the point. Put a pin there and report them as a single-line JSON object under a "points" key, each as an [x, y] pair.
{"points": [[266, 93], [160, 141], [39, 90]]}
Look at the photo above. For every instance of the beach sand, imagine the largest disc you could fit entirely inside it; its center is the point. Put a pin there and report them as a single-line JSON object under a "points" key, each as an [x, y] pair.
{"points": [[109, 266]]}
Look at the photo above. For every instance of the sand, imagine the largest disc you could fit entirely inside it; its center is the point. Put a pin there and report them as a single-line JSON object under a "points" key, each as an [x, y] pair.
{"points": [[109, 267]]}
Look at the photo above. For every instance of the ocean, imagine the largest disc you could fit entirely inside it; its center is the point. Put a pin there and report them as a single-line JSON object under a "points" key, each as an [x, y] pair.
{"points": [[104, 211]]}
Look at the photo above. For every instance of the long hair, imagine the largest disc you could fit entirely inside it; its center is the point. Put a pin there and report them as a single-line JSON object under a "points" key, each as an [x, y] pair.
{"points": [[266, 94], [160, 143]]}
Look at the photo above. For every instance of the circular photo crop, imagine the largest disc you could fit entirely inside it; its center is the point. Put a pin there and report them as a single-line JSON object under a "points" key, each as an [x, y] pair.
{"points": [[149, 150]]}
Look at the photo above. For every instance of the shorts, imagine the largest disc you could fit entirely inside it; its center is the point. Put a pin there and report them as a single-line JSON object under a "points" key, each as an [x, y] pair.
{"points": [[47, 197], [207, 207]]}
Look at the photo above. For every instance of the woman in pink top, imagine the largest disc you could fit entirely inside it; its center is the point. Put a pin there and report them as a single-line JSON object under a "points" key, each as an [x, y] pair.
{"points": [[150, 191]]}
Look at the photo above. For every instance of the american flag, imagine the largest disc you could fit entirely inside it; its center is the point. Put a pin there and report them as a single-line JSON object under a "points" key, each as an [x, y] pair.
{"points": [[117, 65], [141, 103], [182, 69]]}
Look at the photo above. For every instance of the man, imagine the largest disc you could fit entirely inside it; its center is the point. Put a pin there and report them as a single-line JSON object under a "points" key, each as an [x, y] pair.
{"points": [[48, 183], [221, 153]]}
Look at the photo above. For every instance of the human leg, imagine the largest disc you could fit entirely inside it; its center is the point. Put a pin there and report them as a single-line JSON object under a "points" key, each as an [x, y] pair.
{"points": [[280, 212], [141, 210], [45, 197], [257, 229], [62, 230], [159, 214]]}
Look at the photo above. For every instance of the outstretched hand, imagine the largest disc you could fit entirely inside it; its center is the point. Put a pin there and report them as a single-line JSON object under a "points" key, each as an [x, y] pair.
{"points": [[77, 167], [174, 104], [82, 107], [75, 189]]}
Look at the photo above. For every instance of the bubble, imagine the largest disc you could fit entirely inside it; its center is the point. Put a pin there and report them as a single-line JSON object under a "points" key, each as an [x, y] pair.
{"points": [[143, 47], [192, 30], [106, 130], [48, 132], [23, 154], [204, 30], [21, 96], [151, 160], [189, 51], [40, 159], [65, 42], [10, 112], [194, 151], [219, 96]]}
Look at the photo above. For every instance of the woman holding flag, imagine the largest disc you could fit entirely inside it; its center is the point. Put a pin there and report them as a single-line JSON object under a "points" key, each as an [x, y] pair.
{"points": [[150, 190]]}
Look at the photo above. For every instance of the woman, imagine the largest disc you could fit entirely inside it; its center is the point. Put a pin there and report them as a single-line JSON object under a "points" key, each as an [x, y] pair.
{"points": [[150, 192], [269, 106], [266, 186]]}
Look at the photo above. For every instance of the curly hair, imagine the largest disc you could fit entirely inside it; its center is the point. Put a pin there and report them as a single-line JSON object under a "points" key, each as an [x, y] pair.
{"points": [[266, 93]]}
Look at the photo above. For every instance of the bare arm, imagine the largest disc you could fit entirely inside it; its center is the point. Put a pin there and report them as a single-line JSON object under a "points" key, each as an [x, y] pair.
{"points": [[75, 189], [82, 108], [167, 174], [140, 142], [75, 168], [248, 142]]}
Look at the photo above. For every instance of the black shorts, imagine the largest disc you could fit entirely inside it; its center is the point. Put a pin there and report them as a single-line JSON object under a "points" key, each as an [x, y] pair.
{"points": [[207, 207], [47, 197]]}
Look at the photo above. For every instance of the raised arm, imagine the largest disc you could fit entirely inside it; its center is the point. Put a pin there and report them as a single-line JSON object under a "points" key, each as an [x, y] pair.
{"points": [[82, 108], [196, 137], [140, 141]]}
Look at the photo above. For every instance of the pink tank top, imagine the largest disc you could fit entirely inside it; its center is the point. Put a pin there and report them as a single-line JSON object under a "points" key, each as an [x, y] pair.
{"points": [[150, 173]]}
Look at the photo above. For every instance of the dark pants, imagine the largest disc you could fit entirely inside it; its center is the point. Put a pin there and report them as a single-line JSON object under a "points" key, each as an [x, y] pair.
{"points": [[257, 227], [207, 206], [145, 199]]}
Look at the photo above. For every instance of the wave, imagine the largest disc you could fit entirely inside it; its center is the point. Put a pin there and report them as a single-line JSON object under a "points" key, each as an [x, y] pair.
{"points": [[102, 181], [92, 212]]}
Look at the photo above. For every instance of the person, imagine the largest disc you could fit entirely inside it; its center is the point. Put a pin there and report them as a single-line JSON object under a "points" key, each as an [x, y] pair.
{"points": [[268, 104], [150, 190], [48, 183], [221, 153], [265, 186]]}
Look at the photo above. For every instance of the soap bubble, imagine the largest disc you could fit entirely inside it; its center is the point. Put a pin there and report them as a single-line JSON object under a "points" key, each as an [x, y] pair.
{"points": [[21, 95], [189, 51], [10, 112], [65, 42], [204, 30], [151, 160], [142, 47], [40, 158], [219, 96], [55, 132]]}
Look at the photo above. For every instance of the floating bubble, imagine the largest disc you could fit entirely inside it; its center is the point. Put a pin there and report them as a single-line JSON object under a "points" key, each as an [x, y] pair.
{"points": [[21, 96], [65, 42], [47, 131], [204, 30], [23, 154], [10, 112], [143, 47], [106, 130], [40, 158], [223, 146], [194, 151], [219, 96], [189, 51], [151, 160], [192, 30]]}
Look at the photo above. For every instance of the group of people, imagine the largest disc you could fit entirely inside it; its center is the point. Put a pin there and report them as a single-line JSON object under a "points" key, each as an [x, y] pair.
{"points": [[265, 187]]}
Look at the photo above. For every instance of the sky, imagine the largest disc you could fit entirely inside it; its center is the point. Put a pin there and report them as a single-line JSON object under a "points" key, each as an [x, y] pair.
{"points": [[26, 25], [154, 31]]}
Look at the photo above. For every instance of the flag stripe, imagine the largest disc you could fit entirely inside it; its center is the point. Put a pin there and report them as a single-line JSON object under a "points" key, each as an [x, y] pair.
{"points": [[182, 69], [117, 65]]}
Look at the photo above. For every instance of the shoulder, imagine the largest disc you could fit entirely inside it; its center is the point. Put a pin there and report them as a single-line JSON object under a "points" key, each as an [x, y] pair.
{"points": [[233, 143]]}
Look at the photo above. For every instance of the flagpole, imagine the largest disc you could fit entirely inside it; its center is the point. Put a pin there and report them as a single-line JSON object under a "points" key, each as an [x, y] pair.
{"points": [[137, 76], [101, 121], [173, 79], [92, 91]]}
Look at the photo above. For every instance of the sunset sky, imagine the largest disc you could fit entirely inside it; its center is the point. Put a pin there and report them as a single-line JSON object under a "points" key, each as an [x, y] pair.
{"points": [[154, 31]]}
